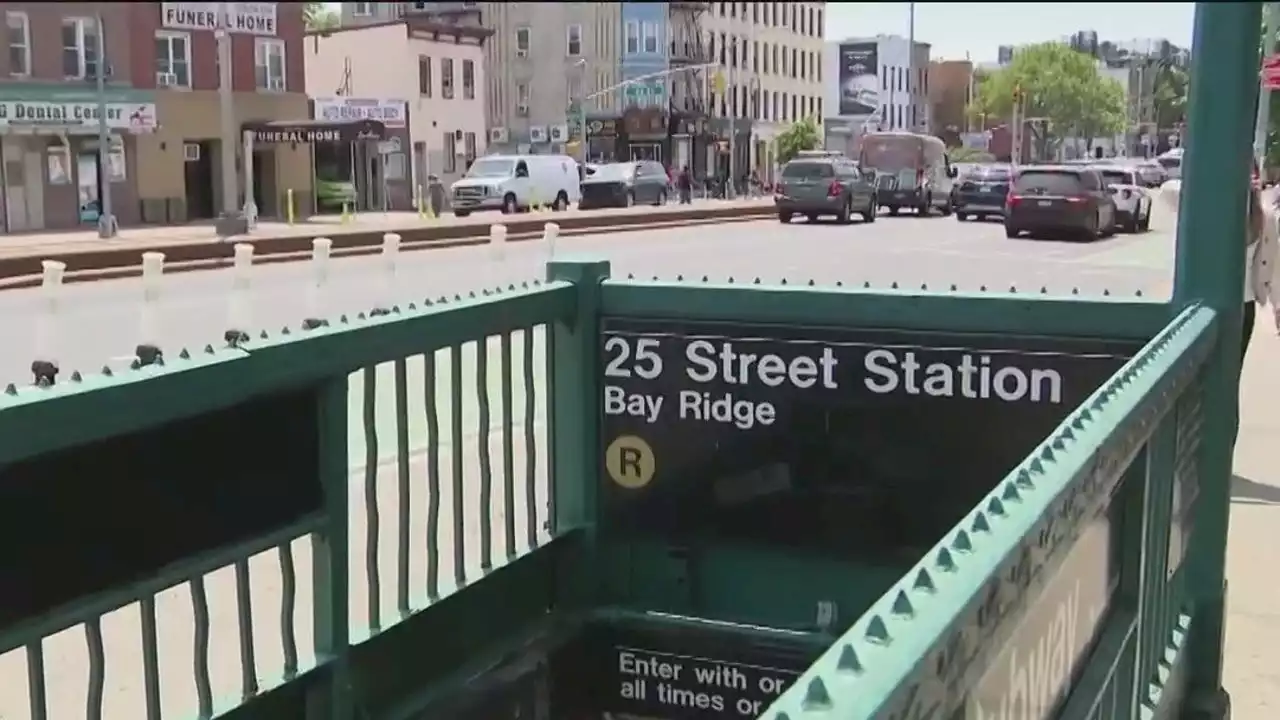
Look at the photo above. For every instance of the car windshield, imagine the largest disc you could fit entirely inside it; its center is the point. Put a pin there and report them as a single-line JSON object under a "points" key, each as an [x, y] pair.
{"points": [[808, 170], [491, 169], [1048, 182], [1117, 177], [612, 172]]}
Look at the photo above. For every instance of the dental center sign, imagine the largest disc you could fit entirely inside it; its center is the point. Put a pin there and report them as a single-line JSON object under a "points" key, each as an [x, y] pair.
{"points": [[250, 18], [75, 117]]}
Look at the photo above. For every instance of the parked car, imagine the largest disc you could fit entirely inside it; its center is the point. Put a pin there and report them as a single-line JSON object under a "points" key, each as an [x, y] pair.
{"points": [[981, 192], [1059, 198], [1133, 202], [831, 185], [623, 185]]}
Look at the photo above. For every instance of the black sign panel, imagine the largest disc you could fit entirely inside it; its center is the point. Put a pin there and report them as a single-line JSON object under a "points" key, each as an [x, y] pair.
{"points": [[825, 436]]}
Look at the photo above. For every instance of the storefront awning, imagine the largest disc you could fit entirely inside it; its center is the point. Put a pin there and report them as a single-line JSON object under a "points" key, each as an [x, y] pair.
{"points": [[313, 131]]}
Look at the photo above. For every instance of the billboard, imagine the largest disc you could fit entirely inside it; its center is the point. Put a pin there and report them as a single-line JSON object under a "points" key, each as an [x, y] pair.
{"points": [[859, 81]]}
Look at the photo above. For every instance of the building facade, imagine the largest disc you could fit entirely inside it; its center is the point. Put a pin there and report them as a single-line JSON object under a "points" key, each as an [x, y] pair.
{"points": [[443, 98], [951, 85], [770, 74], [876, 83], [646, 51], [49, 115], [174, 54]]}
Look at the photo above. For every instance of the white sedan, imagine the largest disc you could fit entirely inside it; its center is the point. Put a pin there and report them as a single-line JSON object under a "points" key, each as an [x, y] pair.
{"points": [[1133, 200]]}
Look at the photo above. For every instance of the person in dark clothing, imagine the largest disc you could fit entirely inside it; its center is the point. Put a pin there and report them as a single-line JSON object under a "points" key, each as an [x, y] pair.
{"points": [[684, 183]]}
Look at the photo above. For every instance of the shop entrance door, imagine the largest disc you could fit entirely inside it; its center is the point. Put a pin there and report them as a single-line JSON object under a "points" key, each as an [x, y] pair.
{"points": [[646, 151]]}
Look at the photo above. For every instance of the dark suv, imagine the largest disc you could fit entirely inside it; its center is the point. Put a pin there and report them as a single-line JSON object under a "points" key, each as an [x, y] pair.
{"points": [[981, 192], [1059, 199], [824, 184]]}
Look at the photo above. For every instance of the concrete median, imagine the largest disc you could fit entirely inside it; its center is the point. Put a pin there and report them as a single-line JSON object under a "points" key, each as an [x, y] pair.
{"points": [[88, 263]]}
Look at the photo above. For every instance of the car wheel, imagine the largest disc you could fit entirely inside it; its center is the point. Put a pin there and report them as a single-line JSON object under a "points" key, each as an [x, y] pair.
{"points": [[946, 209], [926, 209], [846, 212], [662, 198], [811, 217], [1131, 225], [1010, 232], [1145, 224], [961, 216], [784, 217], [509, 204], [461, 213], [869, 215], [562, 202], [1094, 230]]}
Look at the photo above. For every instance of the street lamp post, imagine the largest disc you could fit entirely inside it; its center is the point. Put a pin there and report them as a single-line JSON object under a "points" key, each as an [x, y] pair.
{"points": [[107, 226], [581, 67], [232, 221]]}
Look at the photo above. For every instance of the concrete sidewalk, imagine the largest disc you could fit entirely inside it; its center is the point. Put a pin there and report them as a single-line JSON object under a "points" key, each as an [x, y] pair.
{"points": [[1253, 606], [37, 244]]}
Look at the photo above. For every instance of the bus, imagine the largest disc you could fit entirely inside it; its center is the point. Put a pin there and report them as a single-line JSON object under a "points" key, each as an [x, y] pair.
{"points": [[912, 171]]}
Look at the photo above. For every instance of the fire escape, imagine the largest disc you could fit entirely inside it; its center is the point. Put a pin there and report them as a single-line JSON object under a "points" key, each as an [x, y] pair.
{"points": [[688, 48]]}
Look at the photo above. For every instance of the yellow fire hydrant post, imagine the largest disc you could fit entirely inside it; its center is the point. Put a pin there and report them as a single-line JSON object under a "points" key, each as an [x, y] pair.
{"points": [[289, 212]]}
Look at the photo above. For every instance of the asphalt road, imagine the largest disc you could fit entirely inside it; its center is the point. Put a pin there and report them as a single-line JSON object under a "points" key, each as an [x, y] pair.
{"points": [[100, 322]]}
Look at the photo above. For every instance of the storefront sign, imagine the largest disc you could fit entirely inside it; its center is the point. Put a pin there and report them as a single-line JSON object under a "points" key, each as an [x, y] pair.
{"points": [[607, 127], [318, 132], [74, 117], [390, 113], [721, 423], [239, 17]]}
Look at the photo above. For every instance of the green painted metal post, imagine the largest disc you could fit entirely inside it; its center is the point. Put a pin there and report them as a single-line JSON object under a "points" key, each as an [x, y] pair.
{"points": [[331, 622], [574, 414], [1210, 269]]}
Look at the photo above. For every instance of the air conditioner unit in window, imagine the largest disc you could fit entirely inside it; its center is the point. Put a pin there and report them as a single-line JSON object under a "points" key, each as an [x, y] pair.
{"points": [[522, 110], [559, 133], [191, 152], [537, 134], [522, 53], [498, 135], [275, 84], [166, 80]]}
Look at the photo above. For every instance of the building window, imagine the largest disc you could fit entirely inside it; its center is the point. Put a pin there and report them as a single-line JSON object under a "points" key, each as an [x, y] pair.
{"points": [[79, 48], [268, 64], [633, 37], [173, 59], [468, 80], [522, 42], [573, 36], [364, 9], [651, 37], [469, 147], [19, 38], [522, 99], [424, 76], [446, 78], [450, 153]]}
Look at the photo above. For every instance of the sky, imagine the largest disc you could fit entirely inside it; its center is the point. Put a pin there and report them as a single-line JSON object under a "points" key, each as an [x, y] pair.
{"points": [[954, 28]]}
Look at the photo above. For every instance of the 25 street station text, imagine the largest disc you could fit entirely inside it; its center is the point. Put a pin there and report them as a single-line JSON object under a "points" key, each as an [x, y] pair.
{"points": [[724, 375]]}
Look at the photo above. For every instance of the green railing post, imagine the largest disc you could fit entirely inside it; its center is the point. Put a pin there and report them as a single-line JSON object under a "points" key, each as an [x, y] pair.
{"points": [[1210, 269], [330, 569], [574, 422]]}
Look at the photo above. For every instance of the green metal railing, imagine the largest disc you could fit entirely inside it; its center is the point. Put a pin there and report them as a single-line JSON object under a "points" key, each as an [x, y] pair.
{"points": [[426, 405]]}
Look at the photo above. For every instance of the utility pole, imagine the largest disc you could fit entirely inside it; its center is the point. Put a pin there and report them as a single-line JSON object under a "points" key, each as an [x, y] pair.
{"points": [[1270, 27], [911, 64], [232, 221], [732, 107], [107, 227]]}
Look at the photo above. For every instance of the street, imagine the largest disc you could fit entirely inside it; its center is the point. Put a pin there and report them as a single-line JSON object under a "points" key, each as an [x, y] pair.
{"points": [[100, 321]]}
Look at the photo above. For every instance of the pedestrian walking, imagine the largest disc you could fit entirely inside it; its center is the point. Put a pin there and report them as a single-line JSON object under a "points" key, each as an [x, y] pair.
{"points": [[1261, 255], [685, 184]]}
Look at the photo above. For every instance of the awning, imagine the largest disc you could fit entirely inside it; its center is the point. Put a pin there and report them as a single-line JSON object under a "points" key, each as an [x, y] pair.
{"points": [[313, 131]]}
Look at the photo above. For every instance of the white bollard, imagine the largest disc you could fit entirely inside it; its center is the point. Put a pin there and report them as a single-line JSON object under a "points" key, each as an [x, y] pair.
{"points": [[45, 365], [498, 241], [550, 233], [391, 263], [148, 350], [321, 248], [238, 316]]}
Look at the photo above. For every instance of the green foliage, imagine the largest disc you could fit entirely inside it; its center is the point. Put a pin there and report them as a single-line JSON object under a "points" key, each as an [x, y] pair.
{"points": [[1170, 96], [799, 136], [967, 155], [1061, 87], [318, 17]]}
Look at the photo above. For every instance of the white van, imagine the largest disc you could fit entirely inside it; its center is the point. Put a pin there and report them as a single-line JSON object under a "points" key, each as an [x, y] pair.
{"points": [[513, 183], [1171, 161]]}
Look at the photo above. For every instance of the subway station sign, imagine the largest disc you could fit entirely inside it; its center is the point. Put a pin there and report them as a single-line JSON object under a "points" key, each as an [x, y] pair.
{"points": [[724, 416]]}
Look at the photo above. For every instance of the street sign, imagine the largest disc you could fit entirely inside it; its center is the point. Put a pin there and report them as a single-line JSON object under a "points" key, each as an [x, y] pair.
{"points": [[1271, 72], [737, 425]]}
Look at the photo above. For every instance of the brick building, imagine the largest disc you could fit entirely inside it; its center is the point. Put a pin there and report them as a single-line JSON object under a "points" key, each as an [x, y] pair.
{"points": [[162, 108], [949, 86]]}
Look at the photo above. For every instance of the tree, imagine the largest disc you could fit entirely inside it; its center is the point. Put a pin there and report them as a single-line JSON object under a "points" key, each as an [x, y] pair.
{"points": [[1061, 88], [319, 17], [799, 136], [1170, 97]]}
